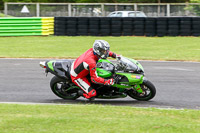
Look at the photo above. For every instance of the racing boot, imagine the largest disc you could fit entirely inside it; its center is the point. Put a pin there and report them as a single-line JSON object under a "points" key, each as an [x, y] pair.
{"points": [[90, 94]]}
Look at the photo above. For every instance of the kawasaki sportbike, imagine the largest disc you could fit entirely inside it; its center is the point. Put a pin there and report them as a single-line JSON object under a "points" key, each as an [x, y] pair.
{"points": [[127, 73]]}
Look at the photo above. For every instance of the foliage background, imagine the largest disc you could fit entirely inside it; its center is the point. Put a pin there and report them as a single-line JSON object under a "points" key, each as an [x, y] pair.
{"points": [[96, 1]]}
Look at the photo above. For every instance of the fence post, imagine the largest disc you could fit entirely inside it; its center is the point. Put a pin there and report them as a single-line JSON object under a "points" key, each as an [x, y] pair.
{"points": [[135, 7], [69, 10], [6, 9], [158, 10], [116, 7], [102, 10], [38, 9], [168, 10]]}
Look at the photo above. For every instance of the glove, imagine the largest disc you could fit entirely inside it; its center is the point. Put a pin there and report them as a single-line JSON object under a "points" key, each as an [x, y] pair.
{"points": [[109, 82], [118, 57]]}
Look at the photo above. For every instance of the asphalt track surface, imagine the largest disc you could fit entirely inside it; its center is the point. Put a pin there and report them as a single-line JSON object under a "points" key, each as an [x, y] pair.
{"points": [[177, 84]]}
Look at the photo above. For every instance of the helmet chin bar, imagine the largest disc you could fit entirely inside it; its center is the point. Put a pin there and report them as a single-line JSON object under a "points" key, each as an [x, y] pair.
{"points": [[104, 56]]}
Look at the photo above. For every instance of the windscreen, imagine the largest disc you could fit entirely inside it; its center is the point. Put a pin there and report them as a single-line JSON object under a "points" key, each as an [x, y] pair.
{"points": [[128, 64]]}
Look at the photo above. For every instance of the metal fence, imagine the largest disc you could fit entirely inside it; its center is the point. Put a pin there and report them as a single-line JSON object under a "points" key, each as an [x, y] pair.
{"points": [[100, 9]]}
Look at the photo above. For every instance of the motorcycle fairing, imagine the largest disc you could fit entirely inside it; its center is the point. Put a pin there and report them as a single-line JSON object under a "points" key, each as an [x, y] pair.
{"points": [[132, 78], [105, 68]]}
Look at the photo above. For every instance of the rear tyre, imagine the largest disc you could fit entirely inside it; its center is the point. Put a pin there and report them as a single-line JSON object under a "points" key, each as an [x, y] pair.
{"points": [[63, 89], [149, 91]]}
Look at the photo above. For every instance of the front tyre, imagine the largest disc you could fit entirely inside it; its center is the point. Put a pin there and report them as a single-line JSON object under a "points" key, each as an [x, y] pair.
{"points": [[149, 91], [64, 89]]}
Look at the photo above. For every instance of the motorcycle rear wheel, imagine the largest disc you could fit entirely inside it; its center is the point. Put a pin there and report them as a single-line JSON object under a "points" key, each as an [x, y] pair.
{"points": [[64, 90], [149, 91]]}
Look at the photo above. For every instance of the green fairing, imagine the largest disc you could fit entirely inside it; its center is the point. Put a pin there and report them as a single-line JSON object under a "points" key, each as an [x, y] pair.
{"points": [[137, 63], [50, 65], [105, 60], [134, 81], [103, 73], [121, 86], [132, 78]]}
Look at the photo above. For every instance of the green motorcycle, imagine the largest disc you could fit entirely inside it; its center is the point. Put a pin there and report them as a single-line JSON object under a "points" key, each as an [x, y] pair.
{"points": [[128, 75]]}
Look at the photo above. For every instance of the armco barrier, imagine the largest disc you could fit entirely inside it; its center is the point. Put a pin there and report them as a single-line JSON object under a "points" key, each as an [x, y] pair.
{"points": [[107, 26], [17, 26]]}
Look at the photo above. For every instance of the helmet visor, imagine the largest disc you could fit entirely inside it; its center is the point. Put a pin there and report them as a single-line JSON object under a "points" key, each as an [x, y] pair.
{"points": [[104, 53]]}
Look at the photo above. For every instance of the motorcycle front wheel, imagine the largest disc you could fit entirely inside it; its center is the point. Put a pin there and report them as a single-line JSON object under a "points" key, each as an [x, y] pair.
{"points": [[63, 89], [149, 91]]}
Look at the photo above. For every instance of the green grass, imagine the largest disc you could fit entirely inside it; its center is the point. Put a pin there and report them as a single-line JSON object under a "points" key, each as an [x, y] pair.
{"points": [[3, 15], [144, 48], [95, 119]]}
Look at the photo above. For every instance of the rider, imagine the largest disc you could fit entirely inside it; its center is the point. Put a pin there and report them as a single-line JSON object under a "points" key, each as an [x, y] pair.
{"points": [[86, 64]]}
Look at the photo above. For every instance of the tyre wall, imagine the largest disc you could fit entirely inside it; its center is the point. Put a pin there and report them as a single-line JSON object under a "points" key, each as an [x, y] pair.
{"points": [[117, 26]]}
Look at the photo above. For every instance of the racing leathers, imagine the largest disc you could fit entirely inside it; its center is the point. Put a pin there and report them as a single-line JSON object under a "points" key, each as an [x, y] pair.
{"points": [[84, 65]]}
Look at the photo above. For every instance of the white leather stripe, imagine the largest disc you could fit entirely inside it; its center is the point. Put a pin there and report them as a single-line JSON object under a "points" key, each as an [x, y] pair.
{"points": [[84, 86], [85, 65], [96, 74], [72, 72]]}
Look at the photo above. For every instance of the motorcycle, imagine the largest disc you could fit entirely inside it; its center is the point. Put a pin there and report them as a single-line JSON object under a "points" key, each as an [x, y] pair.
{"points": [[128, 74]]}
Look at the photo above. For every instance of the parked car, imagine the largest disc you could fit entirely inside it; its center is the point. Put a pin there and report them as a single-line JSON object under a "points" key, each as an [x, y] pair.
{"points": [[127, 14]]}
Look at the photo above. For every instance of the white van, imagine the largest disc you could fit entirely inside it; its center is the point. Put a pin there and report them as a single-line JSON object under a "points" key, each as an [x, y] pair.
{"points": [[127, 14]]}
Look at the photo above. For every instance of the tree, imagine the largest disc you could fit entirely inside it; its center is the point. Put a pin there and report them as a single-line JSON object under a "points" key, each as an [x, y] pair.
{"points": [[194, 8]]}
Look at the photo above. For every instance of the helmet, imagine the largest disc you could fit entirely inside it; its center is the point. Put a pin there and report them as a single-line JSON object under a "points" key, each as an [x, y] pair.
{"points": [[101, 48]]}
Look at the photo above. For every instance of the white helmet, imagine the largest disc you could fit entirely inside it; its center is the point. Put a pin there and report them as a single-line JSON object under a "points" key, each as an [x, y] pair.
{"points": [[101, 48]]}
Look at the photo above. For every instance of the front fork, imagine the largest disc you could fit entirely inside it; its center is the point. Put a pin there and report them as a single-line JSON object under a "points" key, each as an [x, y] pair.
{"points": [[137, 87]]}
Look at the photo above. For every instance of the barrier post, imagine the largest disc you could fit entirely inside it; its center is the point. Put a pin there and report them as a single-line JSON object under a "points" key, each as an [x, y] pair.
{"points": [[38, 9], [135, 8], [168, 10], [5, 9], [102, 10], [69, 10]]}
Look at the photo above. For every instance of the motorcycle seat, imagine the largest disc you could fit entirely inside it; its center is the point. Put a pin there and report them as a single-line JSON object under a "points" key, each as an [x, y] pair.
{"points": [[63, 67]]}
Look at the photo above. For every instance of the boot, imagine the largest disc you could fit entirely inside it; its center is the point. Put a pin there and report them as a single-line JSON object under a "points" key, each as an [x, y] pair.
{"points": [[91, 94]]}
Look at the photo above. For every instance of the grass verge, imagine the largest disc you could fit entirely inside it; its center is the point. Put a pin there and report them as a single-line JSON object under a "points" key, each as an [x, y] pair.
{"points": [[3, 15], [144, 48], [95, 118]]}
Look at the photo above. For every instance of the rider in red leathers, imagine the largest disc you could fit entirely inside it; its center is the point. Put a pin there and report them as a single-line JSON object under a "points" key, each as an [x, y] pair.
{"points": [[86, 64]]}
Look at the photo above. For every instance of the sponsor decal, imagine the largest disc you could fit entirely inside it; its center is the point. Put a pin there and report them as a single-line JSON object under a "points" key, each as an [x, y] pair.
{"points": [[135, 76], [124, 84], [138, 77]]}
